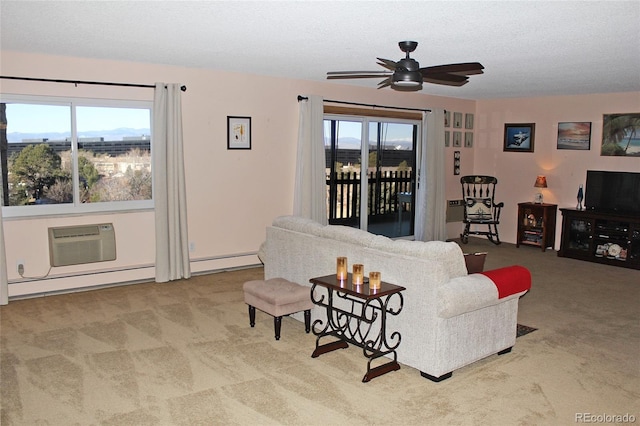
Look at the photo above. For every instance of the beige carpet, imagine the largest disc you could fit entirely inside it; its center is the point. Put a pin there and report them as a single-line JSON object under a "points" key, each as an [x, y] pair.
{"points": [[183, 354]]}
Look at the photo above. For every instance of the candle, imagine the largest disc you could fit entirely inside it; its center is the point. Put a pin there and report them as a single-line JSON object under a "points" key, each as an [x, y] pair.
{"points": [[374, 280], [358, 274], [341, 268]]}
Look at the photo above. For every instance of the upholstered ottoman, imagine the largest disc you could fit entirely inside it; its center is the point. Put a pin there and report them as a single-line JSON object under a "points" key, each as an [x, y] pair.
{"points": [[277, 297]]}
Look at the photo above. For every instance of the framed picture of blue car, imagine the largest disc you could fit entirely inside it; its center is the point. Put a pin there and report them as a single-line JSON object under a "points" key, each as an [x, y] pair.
{"points": [[519, 137]]}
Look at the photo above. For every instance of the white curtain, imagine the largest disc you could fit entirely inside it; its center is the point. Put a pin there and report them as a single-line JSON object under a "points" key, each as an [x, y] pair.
{"points": [[309, 197], [4, 284], [172, 241], [431, 199]]}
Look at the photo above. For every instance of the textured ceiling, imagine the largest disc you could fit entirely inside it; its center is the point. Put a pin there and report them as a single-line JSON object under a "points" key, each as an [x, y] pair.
{"points": [[528, 48]]}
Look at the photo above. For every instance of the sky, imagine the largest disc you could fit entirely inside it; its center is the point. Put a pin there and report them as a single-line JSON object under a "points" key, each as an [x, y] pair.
{"points": [[30, 118], [394, 131]]}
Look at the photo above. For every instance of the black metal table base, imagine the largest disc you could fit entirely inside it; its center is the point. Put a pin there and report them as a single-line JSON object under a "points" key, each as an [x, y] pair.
{"points": [[359, 320]]}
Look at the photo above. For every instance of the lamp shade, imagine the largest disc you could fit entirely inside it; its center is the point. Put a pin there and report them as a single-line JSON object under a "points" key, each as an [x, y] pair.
{"points": [[541, 182]]}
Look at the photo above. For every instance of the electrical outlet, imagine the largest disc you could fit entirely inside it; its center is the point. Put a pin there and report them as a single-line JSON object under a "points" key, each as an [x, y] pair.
{"points": [[21, 267], [192, 246]]}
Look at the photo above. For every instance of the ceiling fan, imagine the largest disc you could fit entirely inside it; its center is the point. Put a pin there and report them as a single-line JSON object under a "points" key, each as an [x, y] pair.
{"points": [[406, 74]]}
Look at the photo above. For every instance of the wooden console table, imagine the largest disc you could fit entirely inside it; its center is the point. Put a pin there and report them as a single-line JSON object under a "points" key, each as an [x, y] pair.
{"points": [[363, 324]]}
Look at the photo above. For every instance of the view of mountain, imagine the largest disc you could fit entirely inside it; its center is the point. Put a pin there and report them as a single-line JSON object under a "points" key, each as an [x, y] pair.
{"points": [[108, 135], [354, 143]]}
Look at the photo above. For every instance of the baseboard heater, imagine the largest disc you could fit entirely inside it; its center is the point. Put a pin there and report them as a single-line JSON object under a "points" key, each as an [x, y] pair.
{"points": [[77, 245]]}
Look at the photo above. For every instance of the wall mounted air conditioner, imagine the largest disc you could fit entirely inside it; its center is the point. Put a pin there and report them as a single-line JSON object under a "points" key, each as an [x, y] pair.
{"points": [[76, 245], [455, 211]]}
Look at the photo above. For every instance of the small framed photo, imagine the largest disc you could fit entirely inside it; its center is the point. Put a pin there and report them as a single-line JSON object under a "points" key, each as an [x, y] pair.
{"points": [[456, 162], [447, 119], [519, 137], [457, 139], [447, 138], [468, 121], [238, 132], [457, 120], [574, 135], [468, 139]]}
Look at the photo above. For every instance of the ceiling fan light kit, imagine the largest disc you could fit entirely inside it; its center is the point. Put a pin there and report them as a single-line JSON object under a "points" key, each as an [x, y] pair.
{"points": [[406, 74], [407, 79]]}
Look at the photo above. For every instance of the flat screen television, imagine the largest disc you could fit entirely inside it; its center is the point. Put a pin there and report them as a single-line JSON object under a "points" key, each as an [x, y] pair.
{"points": [[612, 192]]}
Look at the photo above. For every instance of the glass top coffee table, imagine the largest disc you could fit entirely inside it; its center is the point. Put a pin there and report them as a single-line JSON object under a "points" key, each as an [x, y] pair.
{"points": [[357, 315]]}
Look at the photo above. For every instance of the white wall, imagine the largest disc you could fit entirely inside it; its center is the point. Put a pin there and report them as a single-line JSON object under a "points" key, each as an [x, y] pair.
{"points": [[232, 195]]}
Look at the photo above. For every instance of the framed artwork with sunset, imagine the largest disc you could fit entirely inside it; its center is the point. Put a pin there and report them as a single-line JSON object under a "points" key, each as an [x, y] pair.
{"points": [[574, 135]]}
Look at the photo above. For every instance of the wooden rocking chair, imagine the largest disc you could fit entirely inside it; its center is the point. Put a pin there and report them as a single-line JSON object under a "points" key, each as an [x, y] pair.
{"points": [[479, 207]]}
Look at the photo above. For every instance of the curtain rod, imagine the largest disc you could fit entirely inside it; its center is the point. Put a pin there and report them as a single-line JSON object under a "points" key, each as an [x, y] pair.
{"points": [[303, 98], [76, 82]]}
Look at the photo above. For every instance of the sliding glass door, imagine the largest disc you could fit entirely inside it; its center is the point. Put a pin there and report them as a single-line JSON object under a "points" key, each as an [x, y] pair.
{"points": [[370, 185]]}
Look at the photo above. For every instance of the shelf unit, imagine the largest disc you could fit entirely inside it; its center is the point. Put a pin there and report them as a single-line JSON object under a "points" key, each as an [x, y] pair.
{"points": [[537, 225], [609, 238]]}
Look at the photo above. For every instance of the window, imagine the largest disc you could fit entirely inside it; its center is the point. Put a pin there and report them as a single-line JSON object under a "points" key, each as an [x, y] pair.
{"points": [[62, 156], [381, 199]]}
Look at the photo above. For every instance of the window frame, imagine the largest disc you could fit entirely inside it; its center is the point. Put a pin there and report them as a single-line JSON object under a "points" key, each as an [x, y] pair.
{"points": [[77, 208], [365, 117]]}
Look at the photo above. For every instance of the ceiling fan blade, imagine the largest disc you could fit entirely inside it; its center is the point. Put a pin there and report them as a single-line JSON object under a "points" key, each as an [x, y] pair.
{"points": [[385, 83], [432, 80], [443, 76], [387, 63], [333, 75], [464, 68]]}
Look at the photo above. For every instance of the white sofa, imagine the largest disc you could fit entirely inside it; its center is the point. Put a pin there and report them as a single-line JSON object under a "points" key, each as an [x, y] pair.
{"points": [[449, 319]]}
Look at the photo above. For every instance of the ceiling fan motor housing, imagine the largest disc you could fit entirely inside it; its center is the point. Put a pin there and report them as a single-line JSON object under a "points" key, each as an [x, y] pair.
{"points": [[407, 73]]}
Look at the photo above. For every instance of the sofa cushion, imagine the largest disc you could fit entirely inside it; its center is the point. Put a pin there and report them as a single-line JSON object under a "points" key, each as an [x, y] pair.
{"points": [[449, 254], [347, 234], [298, 224]]}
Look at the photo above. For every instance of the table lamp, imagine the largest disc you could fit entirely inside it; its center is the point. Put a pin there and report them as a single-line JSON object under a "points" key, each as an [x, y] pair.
{"points": [[541, 182]]}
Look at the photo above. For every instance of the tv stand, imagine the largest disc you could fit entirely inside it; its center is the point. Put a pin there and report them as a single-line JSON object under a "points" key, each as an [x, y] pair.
{"points": [[609, 238]]}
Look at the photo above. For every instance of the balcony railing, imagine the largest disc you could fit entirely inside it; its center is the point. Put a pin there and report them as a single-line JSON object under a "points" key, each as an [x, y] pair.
{"points": [[344, 190]]}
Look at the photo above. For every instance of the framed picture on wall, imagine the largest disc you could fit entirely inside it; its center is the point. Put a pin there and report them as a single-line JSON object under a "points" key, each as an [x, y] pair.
{"points": [[468, 139], [447, 119], [447, 138], [457, 139], [519, 137], [238, 132], [456, 162], [620, 135], [457, 120], [574, 135], [468, 121]]}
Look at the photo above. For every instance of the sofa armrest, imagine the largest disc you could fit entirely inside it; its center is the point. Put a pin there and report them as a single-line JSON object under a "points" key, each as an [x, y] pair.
{"points": [[476, 291]]}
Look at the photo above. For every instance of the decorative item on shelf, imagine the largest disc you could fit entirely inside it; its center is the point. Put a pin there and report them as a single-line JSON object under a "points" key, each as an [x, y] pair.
{"points": [[541, 182], [341, 268], [580, 197], [374, 280], [358, 274]]}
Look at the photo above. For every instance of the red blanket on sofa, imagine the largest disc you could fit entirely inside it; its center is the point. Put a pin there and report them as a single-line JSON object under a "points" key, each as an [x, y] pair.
{"points": [[510, 280]]}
